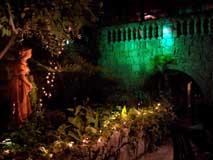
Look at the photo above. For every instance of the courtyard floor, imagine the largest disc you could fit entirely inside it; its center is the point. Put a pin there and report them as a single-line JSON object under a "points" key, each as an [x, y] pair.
{"points": [[164, 152]]}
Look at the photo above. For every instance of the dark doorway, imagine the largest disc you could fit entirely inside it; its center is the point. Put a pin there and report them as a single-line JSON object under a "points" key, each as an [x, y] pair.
{"points": [[181, 89]]}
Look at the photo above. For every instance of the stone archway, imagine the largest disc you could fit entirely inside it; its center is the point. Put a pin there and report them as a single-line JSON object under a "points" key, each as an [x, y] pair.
{"points": [[173, 84]]}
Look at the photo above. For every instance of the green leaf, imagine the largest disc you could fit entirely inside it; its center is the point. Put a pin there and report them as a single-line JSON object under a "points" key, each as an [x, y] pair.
{"points": [[74, 136], [124, 112]]}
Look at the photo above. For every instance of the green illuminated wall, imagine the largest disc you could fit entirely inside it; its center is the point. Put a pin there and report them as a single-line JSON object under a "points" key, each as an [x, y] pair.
{"points": [[133, 52]]}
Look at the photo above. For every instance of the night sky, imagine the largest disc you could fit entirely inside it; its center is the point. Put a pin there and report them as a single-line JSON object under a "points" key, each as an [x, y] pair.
{"points": [[124, 11]]}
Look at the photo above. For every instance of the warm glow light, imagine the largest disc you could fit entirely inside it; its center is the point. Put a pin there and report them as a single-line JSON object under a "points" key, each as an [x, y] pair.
{"points": [[7, 151], [43, 149], [50, 155], [86, 140], [70, 144], [67, 42]]}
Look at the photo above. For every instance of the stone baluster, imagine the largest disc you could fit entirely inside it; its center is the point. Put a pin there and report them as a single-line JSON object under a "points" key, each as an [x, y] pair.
{"points": [[111, 36], [147, 30], [202, 25], [127, 34], [116, 35], [104, 36], [160, 35], [108, 36], [122, 34], [142, 31], [188, 27], [209, 25], [153, 30], [131, 33], [174, 30], [195, 26], [181, 28], [136, 34]]}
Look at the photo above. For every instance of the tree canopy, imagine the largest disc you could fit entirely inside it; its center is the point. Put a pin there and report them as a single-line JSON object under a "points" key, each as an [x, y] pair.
{"points": [[52, 22]]}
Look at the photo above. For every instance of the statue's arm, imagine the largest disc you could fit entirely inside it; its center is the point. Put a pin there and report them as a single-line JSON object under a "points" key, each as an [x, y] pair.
{"points": [[26, 81]]}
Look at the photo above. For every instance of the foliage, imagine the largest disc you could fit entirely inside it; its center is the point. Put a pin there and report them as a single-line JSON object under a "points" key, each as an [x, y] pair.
{"points": [[33, 93], [88, 133], [83, 121], [30, 136], [52, 22]]}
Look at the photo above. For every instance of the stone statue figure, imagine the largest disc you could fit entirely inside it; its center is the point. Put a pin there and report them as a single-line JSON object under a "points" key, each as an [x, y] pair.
{"points": [[20, 87]]}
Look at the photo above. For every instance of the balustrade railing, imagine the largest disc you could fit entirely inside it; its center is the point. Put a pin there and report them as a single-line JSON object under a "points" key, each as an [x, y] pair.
{"points": [[154, 29]]}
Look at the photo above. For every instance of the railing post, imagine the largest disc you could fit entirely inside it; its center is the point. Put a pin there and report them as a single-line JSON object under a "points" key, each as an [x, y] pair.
{"points": [[136, 34], [127, 34], [175, 29], [116, 35], [195, 26], [111, 36], [153, 30], [131, 33], [142, 31], [181, 28], [209, 25], [159, 30], [147, 30], [188, 27], [202, 25], [122, 34], [104, 36]]}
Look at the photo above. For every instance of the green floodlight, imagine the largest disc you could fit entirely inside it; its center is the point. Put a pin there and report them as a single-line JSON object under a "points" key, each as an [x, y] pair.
{"points": [[167, 32], [168, 40]]}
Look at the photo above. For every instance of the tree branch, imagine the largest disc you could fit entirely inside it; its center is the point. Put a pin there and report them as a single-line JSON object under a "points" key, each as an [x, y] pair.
{"points": [[7, 47], [11, 22], [13, 34]]}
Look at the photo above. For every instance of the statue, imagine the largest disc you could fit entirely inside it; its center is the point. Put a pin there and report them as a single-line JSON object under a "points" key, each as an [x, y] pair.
{"points": [[20, 88]]}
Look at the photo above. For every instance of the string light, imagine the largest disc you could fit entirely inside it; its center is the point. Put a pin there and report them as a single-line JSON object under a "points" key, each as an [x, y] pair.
{"points": [[50, 79], [70, 144], [57, 47]]}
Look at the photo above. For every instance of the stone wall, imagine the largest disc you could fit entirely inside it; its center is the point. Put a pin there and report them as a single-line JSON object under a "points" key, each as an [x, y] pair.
{"points": [[132, 52]]}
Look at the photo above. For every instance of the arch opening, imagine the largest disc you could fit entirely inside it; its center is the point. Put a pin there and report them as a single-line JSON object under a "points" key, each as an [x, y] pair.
{"points": [[179, 88]]}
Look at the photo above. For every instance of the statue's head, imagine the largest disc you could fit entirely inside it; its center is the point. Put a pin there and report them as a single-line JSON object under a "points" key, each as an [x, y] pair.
{"points": [[25, 53]]}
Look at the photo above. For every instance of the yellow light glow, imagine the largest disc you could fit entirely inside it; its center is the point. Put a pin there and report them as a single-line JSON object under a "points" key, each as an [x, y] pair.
{"points": [[70, 144], [7, 151]]}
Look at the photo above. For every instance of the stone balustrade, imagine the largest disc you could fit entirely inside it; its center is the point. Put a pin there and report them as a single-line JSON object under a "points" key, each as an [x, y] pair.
{"points": [[154, 29], [129, 51]]}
